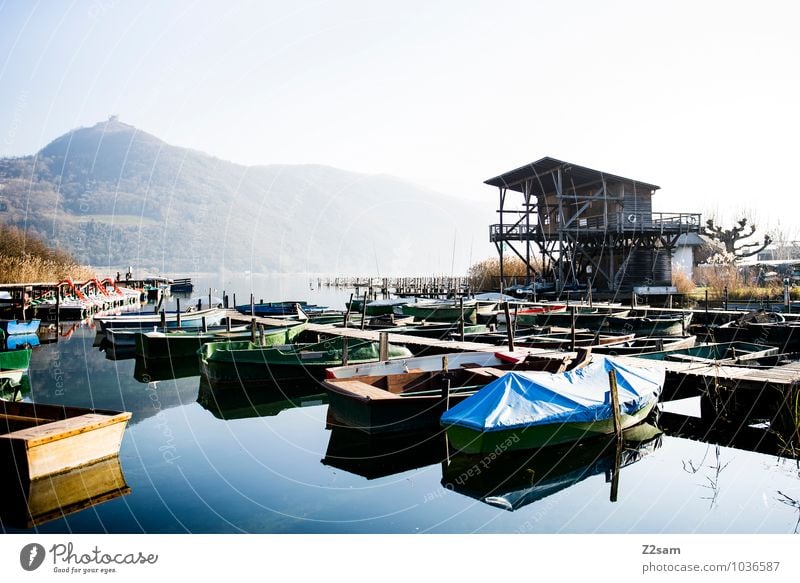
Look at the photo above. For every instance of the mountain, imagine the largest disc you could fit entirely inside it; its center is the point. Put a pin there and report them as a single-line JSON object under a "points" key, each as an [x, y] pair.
{"points": [[115, 196]]}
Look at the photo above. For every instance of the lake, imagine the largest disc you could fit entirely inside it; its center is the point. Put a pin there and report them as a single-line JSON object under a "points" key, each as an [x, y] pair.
{"points": [[197, 460]]}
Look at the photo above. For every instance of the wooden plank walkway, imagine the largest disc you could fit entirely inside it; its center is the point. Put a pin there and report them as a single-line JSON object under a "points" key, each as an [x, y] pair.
{"points": [[688, 379], [403, 339]]}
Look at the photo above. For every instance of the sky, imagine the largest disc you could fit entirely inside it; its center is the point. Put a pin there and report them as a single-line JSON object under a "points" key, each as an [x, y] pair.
{"points": [[699, 98]]}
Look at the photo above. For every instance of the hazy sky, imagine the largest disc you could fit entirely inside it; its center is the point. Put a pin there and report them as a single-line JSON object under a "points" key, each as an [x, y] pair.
{"points": [[700, 98]]}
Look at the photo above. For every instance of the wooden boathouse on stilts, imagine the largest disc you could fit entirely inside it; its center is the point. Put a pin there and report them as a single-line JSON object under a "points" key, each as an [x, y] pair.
{"points": [[576, 226]]}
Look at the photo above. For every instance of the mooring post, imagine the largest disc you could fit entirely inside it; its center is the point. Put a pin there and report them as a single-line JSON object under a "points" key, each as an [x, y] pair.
{"points": [[383, 346], [199, 304], [616, 470], [163, 319], [252, 306], [706, 306], [204, 323], [234, 300], [209, 297], [345, 351], [227, 324], [224, 300], [178, 312], [725, 297], [261, 334], [253, 330], [347, 314], [445, 383], [572, 328], [612, 384], [509, 328], [516, 314], [461, 319], [364, 311]]}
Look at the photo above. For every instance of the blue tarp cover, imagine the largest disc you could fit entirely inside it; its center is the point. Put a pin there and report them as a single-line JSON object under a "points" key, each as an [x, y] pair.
{"points": [[522, 399]]}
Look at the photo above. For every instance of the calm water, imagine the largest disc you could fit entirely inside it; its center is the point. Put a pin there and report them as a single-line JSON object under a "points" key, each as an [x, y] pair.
{"points": [[197, 461]]}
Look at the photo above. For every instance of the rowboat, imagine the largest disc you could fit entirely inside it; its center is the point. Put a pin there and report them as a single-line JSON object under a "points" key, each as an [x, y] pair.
{"points": [[647, 344], [529, 314], [10, 327], [528, 410], [28, 503], [415, 400], [717, 352], [567, 340], [594, 318], [655, 325], [515, 479], [376, 307], [42, 440], [142, 321], [763, 328], [440, 311], [288, 308], [234, 362], [182, 343]]}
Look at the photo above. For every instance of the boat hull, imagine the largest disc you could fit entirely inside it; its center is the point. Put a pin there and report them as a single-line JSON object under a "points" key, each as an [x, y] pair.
{"points": [[10, 327], [42, 440], [15, 359], [470, 441]]}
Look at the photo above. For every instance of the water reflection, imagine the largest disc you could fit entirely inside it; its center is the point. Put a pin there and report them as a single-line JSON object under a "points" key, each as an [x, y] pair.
{"points": [[511, 480], [381, 455], [25, 503], [254, 400]]}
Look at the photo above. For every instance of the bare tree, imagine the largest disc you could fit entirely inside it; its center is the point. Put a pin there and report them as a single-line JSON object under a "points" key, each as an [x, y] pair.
{"points": [[733, 238]]}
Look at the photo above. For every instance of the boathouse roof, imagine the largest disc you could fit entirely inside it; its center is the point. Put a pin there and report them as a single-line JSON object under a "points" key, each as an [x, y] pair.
{"points": [[544, 172]]}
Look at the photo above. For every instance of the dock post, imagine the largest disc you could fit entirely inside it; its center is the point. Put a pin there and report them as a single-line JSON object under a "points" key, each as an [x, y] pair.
{"points": [[163, 319], [58, 310], [514, 325], [209, 298], [252, 306], [178, 312], [224, 300], [706, 306], [612, 383], [253, 330], [199, 304], [383, 346], [227, 324], [261, 334], [347, 314], [572, 328], [509, 328], [725, 296], [234, 300], [461, 318], [364, 311], [445, 383], [205, 324]]}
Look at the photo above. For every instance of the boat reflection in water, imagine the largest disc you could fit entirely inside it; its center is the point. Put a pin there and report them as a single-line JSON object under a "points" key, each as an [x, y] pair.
{"points": [[378, 455], [29, 503], [253, 400], [147, 370], [513, 479]]}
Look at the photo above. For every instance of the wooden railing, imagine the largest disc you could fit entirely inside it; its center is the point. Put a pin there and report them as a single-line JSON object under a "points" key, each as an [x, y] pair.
{"points": [[618, 222]]}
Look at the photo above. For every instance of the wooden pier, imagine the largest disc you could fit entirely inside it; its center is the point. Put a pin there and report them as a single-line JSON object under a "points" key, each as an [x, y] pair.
{"points": [[415, 343]]}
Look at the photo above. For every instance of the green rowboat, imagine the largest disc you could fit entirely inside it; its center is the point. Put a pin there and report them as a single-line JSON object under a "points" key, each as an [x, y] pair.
{"points": [[233, 362], [182, 343]]}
